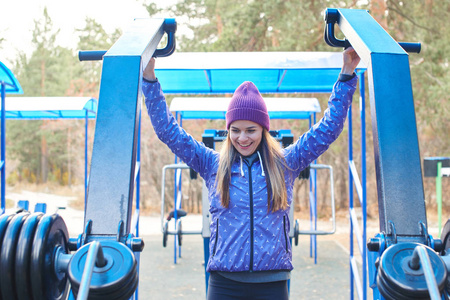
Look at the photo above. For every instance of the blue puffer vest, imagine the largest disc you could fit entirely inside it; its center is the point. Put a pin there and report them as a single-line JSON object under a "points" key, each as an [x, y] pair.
{"points": [[246, 236]]}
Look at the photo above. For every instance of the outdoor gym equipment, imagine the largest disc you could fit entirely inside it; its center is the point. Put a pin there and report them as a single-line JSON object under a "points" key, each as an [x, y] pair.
{"points": [[397, 162], [403, 258], [314, 231], [36, 260], [8, 84], [177, 213]]}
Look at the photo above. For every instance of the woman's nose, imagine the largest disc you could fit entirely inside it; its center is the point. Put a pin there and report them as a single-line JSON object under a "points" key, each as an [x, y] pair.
{"points": [[243, 136]]}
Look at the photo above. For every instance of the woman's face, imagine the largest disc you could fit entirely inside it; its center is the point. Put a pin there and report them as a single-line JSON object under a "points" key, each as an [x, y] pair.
{"points": [[245, 136]]}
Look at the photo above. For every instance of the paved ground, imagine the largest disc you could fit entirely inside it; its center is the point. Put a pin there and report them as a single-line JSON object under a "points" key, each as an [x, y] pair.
{"points": [[160, 278]]}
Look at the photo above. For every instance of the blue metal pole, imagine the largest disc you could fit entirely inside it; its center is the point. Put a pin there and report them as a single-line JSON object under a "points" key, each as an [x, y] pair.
{"points": [[137, 255], [86, 140], [206, 256], [3, 149], [311, 215], [350, 196], [138, 176], [175, 213], [180, 193], [315, 206], [396, 149], [362, 108]]}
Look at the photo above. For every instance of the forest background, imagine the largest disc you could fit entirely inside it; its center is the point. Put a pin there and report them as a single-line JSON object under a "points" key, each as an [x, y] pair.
{"points": [[49, 155]]}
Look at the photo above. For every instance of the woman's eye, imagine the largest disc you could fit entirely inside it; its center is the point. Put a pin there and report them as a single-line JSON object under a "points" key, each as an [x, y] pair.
{"points": [[250, 130]]}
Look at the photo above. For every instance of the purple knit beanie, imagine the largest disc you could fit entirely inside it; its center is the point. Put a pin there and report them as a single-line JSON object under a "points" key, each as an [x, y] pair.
{"points": [[247, 104]]}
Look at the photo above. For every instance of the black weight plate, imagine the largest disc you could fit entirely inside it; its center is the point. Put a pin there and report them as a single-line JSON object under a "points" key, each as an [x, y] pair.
{"points": [[396, 279], [51, 233], [445, 237], [23, 256], [112, 281], [4, 221], [179, 233], [8, 254], [165, 234], [124, 291]]}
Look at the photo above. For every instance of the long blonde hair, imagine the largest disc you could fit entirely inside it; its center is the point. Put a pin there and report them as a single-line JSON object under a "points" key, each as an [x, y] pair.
{"points": [[273, 164]]}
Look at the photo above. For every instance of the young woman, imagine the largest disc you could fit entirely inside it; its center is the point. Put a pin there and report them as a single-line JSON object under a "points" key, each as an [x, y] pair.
{"points": [[250, 183]]}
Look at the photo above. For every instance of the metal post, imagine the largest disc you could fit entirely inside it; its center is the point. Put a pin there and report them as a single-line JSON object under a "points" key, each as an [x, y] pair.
{"points": [[439, 195], [350, 195], [315, 205], [311, 207], [3, 149], [138, 176], [86, 139], [362, 109], [176, 192]]}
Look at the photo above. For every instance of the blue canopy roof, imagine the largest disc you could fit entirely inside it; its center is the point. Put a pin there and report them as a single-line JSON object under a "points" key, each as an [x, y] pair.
{"points": [[272, 72], [12, 86], [215, 108], [43, 107], [50, 107]]}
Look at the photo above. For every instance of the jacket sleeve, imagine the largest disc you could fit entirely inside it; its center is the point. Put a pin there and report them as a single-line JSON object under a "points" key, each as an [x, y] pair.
{"points": [[320, 136], [195, 154]]}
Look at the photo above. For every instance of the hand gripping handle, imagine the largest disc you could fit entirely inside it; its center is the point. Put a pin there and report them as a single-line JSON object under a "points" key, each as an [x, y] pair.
{"points": [[332, 17]]}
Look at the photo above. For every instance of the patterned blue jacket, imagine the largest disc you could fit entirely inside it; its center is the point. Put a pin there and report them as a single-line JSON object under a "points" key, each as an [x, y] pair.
{"points": [[245, 236]]}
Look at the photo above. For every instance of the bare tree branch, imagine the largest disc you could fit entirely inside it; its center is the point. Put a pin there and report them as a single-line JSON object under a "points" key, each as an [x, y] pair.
{"points": [[397, 9]]}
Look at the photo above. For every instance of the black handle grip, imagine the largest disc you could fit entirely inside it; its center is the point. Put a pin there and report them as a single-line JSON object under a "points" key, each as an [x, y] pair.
{"points": [[411, 47], [331, 40], [170, 27], [91, 55], [331, 17]]}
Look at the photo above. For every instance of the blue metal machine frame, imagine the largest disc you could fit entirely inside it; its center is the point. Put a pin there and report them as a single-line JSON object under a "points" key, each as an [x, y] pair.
{"points": [[401, 203], [116, 139], [115, 168]]}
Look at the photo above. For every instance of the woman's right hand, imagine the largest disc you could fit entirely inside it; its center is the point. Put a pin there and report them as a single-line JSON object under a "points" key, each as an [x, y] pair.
{"points": [[149, 71], [351, 61]]}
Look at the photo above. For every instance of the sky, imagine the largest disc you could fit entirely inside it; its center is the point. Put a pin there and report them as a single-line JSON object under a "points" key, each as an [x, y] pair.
{"points": [[17, 21]]}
